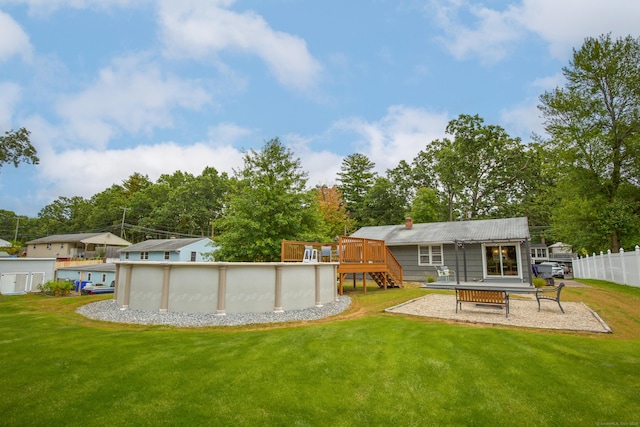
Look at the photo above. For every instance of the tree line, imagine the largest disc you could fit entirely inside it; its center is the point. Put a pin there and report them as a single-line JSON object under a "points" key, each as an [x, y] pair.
{"points": [[579, 185]]}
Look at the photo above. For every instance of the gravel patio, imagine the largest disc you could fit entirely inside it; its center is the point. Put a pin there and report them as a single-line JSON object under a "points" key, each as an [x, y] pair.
{"points": [[523, 312]]}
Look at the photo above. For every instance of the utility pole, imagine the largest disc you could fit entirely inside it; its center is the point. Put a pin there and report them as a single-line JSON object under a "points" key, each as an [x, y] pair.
{"points": [[15, 238], [124, 211]]}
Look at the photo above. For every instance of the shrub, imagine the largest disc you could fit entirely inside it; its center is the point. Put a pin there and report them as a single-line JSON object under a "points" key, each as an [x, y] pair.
{"points": [[431, 279], [56, 288], [539, 282]]}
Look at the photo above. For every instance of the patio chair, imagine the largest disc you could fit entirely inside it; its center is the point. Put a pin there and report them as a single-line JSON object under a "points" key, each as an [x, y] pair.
{"points": [[310, 254], [550, 297], [327, 254], [444, 274]]}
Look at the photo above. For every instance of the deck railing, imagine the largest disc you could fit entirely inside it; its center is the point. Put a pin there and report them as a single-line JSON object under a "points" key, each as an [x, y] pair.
{"points": [[293, 251], [355, 250]]}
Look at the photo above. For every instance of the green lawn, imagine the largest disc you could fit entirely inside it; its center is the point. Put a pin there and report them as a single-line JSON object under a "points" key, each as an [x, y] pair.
{"points": [[362, 368]]}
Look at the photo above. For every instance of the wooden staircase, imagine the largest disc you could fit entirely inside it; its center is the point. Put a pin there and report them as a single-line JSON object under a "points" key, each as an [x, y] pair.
{"points": [[368, 257]]}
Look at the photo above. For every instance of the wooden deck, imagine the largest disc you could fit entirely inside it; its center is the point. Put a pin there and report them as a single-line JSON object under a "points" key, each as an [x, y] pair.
{"points": [[354, 256]]}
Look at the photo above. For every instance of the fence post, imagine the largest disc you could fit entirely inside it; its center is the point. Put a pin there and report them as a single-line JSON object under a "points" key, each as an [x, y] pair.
{"points": [[610, 265], [604, 267], [638, 263], [595, 266], [586, 257], [624, 271]]}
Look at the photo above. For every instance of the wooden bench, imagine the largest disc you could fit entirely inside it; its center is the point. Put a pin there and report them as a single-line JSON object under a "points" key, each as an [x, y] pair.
{"points": [[482, 296]]}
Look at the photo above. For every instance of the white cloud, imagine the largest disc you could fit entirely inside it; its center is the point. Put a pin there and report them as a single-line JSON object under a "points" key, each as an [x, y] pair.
{"points": [[13, 39], [564, 24], [227, 133], [201, 29], [88, 172], [45, 7], [475, 30], [525, 119], [10, 97], [132, 96], [400, 135], [489, 39]]}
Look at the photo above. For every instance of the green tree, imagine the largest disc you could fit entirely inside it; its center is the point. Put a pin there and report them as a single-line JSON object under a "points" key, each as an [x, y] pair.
{"points": [[383, 205], [480, 170], [594, 127], [404, 183], [355, 179], [426, 206], [268, 204], [64, 215], [16, 148]]}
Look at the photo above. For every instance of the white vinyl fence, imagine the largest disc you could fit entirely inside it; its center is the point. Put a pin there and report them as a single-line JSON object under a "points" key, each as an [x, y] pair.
{"points": [[622, 267]]}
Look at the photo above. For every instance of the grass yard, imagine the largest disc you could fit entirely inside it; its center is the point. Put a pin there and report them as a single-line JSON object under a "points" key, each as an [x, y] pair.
{"points": [[364, 367]]}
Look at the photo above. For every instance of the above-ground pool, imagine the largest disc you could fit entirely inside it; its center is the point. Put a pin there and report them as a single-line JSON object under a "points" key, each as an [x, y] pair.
{"points": [[221, 288]]}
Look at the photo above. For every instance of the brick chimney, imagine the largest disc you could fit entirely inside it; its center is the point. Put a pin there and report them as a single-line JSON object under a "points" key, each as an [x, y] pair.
{"points": [[408, 223]]}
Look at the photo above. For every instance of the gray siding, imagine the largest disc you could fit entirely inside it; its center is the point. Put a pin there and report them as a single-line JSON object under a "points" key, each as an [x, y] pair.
{"points": [[469, 256], [408, 257]]}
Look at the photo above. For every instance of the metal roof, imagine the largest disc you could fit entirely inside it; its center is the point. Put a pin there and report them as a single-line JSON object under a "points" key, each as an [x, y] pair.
{"points": [[163, 245], [95, 238], [106, 267], [488, 230]]}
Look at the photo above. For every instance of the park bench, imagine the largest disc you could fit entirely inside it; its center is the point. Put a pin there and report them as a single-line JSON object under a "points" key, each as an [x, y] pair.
{"points": [[489, 297], [549, 296]]}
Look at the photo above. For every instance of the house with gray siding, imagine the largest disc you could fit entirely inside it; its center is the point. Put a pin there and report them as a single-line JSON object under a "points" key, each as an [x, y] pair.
{"points": [[493, 250], [171, 250]]}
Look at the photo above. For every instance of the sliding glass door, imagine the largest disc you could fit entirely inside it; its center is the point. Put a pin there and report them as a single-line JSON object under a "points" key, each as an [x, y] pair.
{"points": [[501, 260]]}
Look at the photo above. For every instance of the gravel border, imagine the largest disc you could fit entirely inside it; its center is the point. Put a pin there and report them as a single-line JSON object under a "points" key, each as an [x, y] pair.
{"points": [[110, 311]]}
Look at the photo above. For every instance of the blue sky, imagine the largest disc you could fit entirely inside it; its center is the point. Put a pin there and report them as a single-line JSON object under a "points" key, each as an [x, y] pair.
{"points": [[113, 87]]}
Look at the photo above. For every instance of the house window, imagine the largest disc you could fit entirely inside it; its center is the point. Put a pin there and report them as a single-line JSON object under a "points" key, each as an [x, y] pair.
{"points": [[166, 256], [144, 255], [104, 278], [193, 256], [48, 245], [61, 245], [89, 277], [126, 255], [430, 255]]}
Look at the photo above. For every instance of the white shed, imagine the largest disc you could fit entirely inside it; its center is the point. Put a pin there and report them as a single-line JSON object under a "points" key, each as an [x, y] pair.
{"points": [[22, 275]]}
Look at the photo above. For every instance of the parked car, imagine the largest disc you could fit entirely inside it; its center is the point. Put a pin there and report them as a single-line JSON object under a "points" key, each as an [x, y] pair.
{"points": [[557, 270], [99, 289]]}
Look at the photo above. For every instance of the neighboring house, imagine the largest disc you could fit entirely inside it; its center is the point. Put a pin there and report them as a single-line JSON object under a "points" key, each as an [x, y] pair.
{"points": [[4, 244], [98, 274], [173, 250], [560, 252], [480, 250], [21, 275], [539, 253], [74, 246]]}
